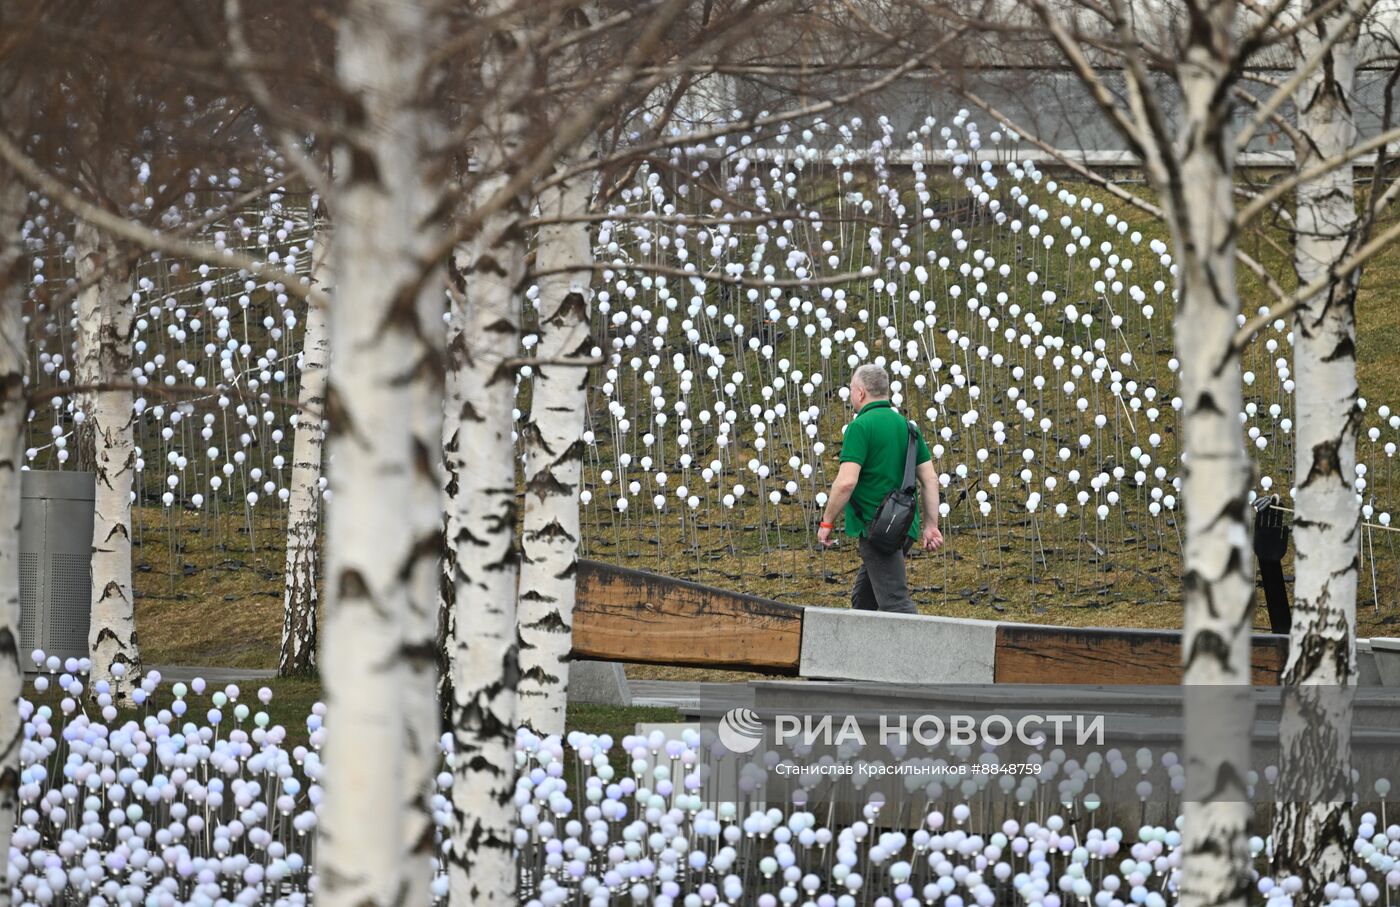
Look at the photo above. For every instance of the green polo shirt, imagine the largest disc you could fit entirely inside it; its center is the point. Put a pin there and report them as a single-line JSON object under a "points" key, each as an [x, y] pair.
{"points": [[877, 439]]}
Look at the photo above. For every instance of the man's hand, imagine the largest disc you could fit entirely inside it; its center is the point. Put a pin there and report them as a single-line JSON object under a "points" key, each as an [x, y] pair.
{"points": [[932, 539], [824, 536]]}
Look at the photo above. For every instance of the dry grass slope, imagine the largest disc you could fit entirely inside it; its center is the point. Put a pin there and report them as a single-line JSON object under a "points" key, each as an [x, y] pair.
{"points": [[209, 592]]}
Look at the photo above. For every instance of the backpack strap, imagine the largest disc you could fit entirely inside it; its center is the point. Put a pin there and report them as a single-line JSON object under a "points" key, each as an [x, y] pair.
{"points": [[910, 455]]}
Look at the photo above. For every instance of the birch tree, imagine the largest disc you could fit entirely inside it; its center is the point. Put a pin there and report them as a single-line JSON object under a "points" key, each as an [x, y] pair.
{"points": [[14, 405], [1187, 156], [452, 466], [303, 576], [553, 441], [553, 438], [104, 359], [1189, 164], [487, 273], [552, 435], [513, 147], [1312, 839], [1218, 568], [383, 403]]}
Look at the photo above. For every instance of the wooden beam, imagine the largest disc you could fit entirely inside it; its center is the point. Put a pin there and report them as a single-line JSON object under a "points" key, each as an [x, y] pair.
{"points": [[644, 618], [1029, 654]]}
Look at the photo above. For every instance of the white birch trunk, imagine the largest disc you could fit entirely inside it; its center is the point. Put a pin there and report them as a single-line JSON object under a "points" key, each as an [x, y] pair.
{"points": [[383, 405], [484, 654], [1312, 836], [104, 354], [487, 275], [553, 436], [302, 597], [1218, 568], [452, 468], [13, 408]]}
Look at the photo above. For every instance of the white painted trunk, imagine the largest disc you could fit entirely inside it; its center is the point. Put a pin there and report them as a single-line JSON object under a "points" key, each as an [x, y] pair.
{"points": [[13, 407], [1312, 837], [553, 441], [303, 576], [1218, 568], [104, 353], [382, 523], [487, 275]]}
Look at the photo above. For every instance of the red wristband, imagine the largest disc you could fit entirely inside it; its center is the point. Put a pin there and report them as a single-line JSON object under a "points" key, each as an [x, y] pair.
{"points": [[828, 525]]}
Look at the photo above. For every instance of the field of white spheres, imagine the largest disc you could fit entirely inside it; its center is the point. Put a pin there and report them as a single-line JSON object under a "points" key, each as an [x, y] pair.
{"points": [[197, 797], [1026, 320]]}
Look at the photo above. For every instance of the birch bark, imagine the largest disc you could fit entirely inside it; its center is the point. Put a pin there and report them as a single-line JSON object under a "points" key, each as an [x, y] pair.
{"points": [[1218, 568], [1312, 837], [13, 408], [487, 276], [104, 355], [382, 521], [553, 441], [302, 596], [452, 467]]}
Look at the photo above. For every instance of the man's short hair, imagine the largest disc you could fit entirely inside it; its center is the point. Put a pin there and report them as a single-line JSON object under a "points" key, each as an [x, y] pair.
{"points": [[874, 379]]}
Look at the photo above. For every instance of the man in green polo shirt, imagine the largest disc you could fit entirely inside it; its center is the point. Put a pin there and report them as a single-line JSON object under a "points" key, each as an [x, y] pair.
{"points": [[872, 465]]}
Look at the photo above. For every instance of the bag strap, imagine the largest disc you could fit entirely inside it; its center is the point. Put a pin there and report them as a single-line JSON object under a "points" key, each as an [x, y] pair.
{"points": [[908, 468], [909, 457]]}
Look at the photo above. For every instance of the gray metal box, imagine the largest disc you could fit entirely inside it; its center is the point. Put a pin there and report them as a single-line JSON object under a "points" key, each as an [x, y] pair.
{"points": [[55, 562]]}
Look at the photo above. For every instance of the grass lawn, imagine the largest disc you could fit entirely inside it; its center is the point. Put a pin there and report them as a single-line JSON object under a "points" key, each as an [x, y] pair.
{"points": [[210, 591]]}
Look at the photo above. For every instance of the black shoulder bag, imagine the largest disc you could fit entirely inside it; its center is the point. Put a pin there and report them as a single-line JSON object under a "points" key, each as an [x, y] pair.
{"points": [[889, 527]]}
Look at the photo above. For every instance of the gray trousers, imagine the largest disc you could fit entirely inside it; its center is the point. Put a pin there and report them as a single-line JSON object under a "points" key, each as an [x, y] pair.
{"points": [[881, 583]]}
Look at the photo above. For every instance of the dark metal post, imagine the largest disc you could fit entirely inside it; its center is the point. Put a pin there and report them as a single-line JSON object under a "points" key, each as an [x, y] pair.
{"points": [[1271, 533]]}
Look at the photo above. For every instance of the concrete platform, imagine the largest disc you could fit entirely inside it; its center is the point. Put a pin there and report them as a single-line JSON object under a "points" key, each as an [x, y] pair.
{"points": [[682, 694], [599, 683], [896, 648], [1386, 653], [1367, 673], [217, 675]]}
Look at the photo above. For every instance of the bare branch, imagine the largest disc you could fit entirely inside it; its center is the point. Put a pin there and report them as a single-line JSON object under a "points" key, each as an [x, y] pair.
{"points": [[184, 394], [1144, 103], [763, 122], [1250, 263], [566, 362], [1285, 33], [574, 36], [189, 229], [144, 236], [578, 125], [1338, 271], [1252, 39], [563, 137], [1276, 118], [240, 61], [1107, 103], [1305, 69], [1288, 184]]}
